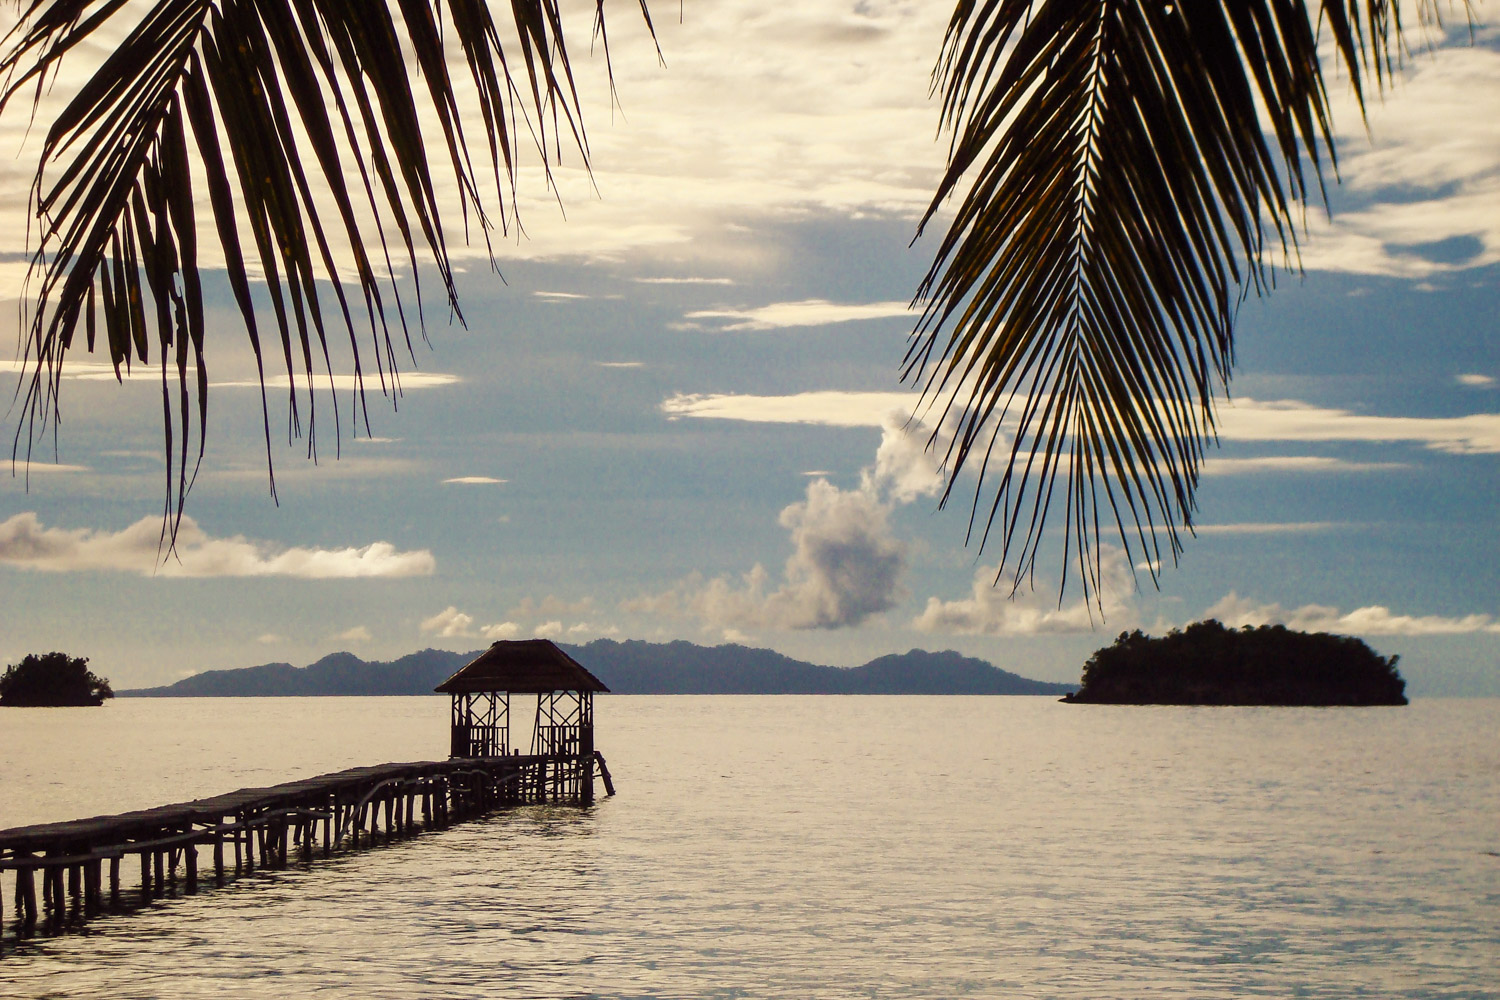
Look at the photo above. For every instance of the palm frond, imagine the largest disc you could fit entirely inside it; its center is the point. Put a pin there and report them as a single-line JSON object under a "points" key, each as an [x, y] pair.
{"points": [[267, 104], [1124, 171]]}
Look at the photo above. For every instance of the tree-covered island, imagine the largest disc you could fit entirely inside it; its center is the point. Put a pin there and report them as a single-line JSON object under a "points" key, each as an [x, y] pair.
{"points": [[1209, 664], [53, 680]]}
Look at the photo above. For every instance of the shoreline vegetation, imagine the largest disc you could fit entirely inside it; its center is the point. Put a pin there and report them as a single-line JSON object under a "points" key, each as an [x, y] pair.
{"points": [[1210, 664], [629, 667], [53, 680]]}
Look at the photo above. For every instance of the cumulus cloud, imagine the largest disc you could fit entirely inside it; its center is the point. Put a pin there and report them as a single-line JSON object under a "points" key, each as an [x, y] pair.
{"points": [[356, 634], [475, 480], [808, 312], [548, 630], [1373, 619], [1477, 381], [991, 610], [846, 562], [501, 630], [449, 623], [26, 544]]}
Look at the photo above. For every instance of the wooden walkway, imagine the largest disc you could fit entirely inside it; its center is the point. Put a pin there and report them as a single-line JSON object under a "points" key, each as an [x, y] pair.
{"points": [[79, 862]]}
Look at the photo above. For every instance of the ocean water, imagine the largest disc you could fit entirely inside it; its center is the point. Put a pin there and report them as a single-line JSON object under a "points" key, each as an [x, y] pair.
{"points": [[820, 847]]}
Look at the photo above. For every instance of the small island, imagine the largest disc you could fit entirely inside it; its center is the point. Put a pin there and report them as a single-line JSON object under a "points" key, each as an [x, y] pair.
{"points": [[52, 680], [1210, 664]]}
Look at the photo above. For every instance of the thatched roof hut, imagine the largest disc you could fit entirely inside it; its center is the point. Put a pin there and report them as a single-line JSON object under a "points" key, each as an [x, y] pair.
{"points": [[523, 666]]}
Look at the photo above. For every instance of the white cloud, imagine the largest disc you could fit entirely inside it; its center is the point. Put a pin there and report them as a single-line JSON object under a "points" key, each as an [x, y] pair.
{"points": [[829, 408], [1424, 139], [551, 606], [1477, 381], [476, 480], [1289, 420], [1370, 620], [356, 634], [265, 639], [449, 623], [23, 469], [685, 281], [548, 630], [76, 369], [501, 630], [559, 295], [620, 364], [1242, 419], [26, 544], [1265, 528], [1291, 463], [406, 380], [846, 564], [992, 610], [808, 312]]}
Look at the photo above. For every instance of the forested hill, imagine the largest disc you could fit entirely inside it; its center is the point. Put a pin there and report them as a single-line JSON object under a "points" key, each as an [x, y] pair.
{"points": [[632, 667]]}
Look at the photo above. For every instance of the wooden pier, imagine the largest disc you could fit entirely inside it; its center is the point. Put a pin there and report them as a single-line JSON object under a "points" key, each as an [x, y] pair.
{"points": [[85, 866]]}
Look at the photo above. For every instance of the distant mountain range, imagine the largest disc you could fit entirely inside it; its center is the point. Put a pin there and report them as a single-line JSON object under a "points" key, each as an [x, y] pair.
{"points": [[632, 667]]}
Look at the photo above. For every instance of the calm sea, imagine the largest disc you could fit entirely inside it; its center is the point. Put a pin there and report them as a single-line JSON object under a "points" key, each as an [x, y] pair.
{"points": [[820, 847]]}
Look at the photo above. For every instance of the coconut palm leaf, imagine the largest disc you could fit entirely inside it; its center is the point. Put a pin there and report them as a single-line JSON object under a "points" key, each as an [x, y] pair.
{"points": [[1125, 172], [269, 107]]}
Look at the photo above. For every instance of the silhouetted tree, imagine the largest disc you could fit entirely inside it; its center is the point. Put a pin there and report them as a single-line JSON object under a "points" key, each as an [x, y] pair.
{"points": [[53, 679], [1209, 664], [1123, 169]]}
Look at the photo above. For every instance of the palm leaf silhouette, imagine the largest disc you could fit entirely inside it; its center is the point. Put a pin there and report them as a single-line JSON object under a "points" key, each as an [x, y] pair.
{"points": [[1124, 172], [278, 103]]}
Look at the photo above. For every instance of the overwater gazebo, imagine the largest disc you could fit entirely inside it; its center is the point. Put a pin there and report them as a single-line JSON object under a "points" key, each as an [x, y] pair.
{"points": [[563, 732]]}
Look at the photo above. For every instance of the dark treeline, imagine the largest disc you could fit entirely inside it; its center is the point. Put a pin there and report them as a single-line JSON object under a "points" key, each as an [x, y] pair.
{"points": [[1209, 664], [52, 680]]}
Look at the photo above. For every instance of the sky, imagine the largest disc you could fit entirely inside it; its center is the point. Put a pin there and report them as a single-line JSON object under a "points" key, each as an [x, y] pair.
{"points": [[678, 413]]}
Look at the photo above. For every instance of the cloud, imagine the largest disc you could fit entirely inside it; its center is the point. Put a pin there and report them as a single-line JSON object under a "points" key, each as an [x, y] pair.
{"points": [[269, 639], [548, 630], [808, 312], [1265, 527], [559, 295], [406, 380], [551, 606], [620, 364], [1291, 463], [501, 630], [1370, 620], [356, 634], [1427, 170], [26, 544], [1477, 381], [685, 281], [992, 610], [449, 623], [23, 469], [1242, 419], [829, 408], [846, 563], [1290, 420], [475, 480]]}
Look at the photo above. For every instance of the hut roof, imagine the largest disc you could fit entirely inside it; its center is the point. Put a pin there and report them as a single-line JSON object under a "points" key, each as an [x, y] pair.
{"points": [[527, 666]]}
